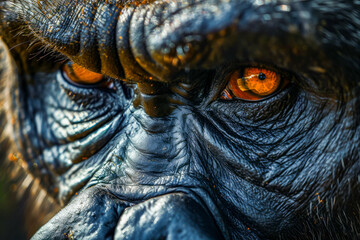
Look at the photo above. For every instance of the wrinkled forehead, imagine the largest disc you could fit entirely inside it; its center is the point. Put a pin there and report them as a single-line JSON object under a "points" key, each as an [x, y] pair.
{"points": [[166, 37], [295, 16]]}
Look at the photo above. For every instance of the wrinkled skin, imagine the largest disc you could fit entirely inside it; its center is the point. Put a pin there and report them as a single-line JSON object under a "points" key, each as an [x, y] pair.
{"points": [[161, 155]]}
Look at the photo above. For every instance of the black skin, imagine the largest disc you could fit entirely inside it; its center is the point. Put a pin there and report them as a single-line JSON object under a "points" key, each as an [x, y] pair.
{"points": [[160, 155]]}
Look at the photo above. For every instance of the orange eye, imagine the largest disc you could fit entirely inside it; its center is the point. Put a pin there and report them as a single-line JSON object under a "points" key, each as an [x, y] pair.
{"points": [[81, 75], [253, 84]]}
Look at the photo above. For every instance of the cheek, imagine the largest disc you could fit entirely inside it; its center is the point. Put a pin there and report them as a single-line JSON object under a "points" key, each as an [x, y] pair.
{"points": [[279, 170], [62, 130]]}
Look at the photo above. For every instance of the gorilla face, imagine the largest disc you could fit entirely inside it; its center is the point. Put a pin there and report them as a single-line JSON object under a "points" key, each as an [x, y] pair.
{"points": [[188, 119]]}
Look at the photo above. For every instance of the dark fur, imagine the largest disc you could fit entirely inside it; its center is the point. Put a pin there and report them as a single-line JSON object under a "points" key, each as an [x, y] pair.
{"points": [[284, 168]]}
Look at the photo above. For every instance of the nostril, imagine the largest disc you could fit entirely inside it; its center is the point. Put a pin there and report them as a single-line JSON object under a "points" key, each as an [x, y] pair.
{"points": [[171, 216], [97, 213]]}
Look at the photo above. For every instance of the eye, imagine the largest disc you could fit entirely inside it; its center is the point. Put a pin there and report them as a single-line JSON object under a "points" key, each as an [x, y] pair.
{"points": [[253, 84], [80, 75]]}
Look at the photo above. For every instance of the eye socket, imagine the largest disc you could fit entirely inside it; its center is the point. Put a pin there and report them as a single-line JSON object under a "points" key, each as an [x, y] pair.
{"points": [[253, 84], [80, 75]]}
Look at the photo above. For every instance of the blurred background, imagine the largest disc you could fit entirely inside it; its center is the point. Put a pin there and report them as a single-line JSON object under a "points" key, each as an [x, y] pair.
{"points": [[12, 208], [21, 211]]}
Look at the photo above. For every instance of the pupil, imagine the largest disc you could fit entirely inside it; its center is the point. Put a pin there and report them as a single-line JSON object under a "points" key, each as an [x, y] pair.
{"points": [[262, 76]]}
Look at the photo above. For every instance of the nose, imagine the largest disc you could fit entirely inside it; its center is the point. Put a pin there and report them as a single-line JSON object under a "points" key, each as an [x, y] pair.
{"points": [[96, 213], [171, 216]]}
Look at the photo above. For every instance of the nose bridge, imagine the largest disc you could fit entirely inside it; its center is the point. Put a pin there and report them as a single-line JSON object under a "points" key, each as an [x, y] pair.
{"points": [[155, 97], [156, 147]]}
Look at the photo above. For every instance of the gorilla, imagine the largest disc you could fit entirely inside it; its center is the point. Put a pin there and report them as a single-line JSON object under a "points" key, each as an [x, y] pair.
{"points": [[192, 119]]}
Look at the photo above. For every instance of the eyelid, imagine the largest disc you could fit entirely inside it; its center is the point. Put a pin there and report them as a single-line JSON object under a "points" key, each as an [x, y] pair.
{"points": [[80, 75], [100, 83]]}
